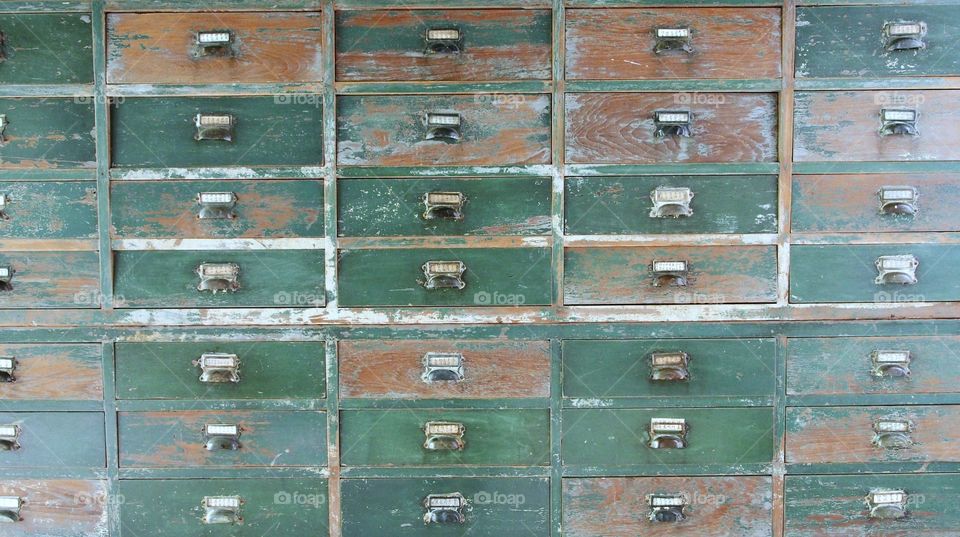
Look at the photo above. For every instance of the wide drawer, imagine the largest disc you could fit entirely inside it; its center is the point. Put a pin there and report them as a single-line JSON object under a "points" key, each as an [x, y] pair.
{"points": [[430, 207], [672, 43], [55, 508], [444, 369], [425, 437], [670, 275], [222, 278], [493, 506], [628, 435], [205, 48], [49, 280], [429, 130], [461, 44], [47, 132], [217, 209], [686, 506], [52, 48], [671, 204], [48, 210], [53, 372], [406, 277], [52, 440], [234, 131], [622, 128]]}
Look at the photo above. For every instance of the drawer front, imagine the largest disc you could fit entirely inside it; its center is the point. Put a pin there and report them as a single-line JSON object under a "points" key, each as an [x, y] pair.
{"points": [[188, 209], [185, 440], [54, 48], [495, 506], [164, 48], [712, 506], [491, 277], [503, 437], [622, 436], [649, 204], [51, 280], [849, 273], [270, 507], [873, 434], [851, 41], [267, 130], [384, 130], [54, 440], [856, 365], [57, 507], [443, 369], [669, 368], [837, 126], [492, 44], [55, 372], [619, 128], [715, 275], [36, 130], [414, 207], [266, 278], [48, 210], [623, 43]]}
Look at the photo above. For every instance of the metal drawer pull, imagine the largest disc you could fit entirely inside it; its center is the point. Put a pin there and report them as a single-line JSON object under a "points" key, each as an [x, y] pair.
{"points": [[3, 47], [443, 41], [445, 126], [892, 433], [444, 508], [214, 43], [3, 127], [669, 366], [214, 127], [672, 123], [10, 507], [9, 437], [6, 277], [444, 274], [445, 205], [671, 202], [898, 200], [890, 363], [4, 201], [887, 504], [672, 39], [8, 365], [670, 273], [900, 269], [444, 435], [221, 437], [216, 205], [218, 367], [667, 507], [668, 433], [904, 35], [222, 509], [899, 121], [442, 367], [217, 277]]}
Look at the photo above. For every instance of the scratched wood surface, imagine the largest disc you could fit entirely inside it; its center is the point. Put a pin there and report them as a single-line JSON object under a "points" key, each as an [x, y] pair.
{"points": [[47, 133], [51, 280], [49, 440], [49, 210], [46, 48], [57, 372], [58, 507]]}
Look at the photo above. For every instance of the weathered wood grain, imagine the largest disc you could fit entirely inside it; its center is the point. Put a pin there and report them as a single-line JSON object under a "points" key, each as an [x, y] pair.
{"points": [[47, 133], [46, 48], [56, 440], [49, 210], [61, 372], [51, 280], [58, 507]]}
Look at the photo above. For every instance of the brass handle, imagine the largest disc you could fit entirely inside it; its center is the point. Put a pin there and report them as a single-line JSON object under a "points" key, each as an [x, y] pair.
{"points": [[443, 41], [904, 35], [215, 43]]}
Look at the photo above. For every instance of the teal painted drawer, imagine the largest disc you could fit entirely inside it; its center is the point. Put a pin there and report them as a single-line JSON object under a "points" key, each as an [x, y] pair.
{"points": [[50, 48], [49, 280], [56, 507], [50, 372], [47, 132], [52, 440], [48, 210]]}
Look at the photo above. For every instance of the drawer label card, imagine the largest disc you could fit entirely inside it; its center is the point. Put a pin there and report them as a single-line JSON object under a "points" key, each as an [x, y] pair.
{"points": [[904, 35], [671, 202], [444, 435], [667, 507], [444, 508], [10, 507], [887, 503], [8, 366], [9, 437], [222, 509], [442, 367], [668, 433], [896, 269], [219, 277]]}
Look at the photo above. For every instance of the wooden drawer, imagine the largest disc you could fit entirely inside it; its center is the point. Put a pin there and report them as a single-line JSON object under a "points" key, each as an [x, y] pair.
{"points": [[202, 438], [294, 506], [837, 126], [416, 207], [715, 275], [623, 436], [36, 129], [851, 41], [712, 506], [619, 128], [57, 507], [671, 204], [59, 440], [267, 130], [266, 278], [51, 280], [623, 43], [189, 209], [490, 44], [491, 277], [849, 273], [504, 437], [443, 369], [495, 506], [48, 210], [53, 372], [165, 48], [51, 48], [669, 368], [392, 130]]}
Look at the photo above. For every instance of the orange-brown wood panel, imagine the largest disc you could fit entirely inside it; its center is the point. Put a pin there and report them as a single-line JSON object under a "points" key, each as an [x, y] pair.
{"points": [[57, 507], [53, 372]]}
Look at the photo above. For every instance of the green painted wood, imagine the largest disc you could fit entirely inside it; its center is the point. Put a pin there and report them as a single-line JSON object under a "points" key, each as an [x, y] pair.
{"points": [[56, 440], [268, 370], [31, 6], [51, 280], [628, 3], [210, 5], [48, 133], [49, 210], [402, 4], [493, 437], [506, 86], [46, 49]]}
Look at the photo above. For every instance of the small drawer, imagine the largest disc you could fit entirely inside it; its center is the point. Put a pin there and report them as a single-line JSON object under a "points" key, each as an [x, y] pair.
{"points": [[431, 207], [48, 210], [655, 128], [445, 277], [234, 507], [51, 372], [47, 48], [670, 275], [877, 41], [211, 439], [667, 436], [474, 506], [54, 507], [669, 368], [49, 280], [670, 43], [217, 131], [871, 126], [456, 44], [217, 209], [430, 130], [213, 48], [443, 369], [222, 278], [59, 440], [34, 132], [671, 204], [668, 506], [445, 437]]}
